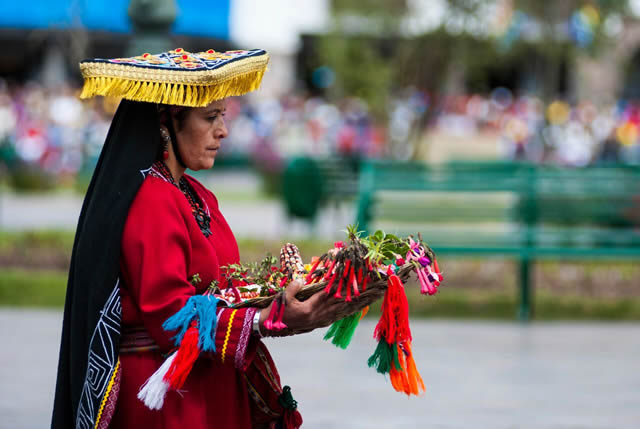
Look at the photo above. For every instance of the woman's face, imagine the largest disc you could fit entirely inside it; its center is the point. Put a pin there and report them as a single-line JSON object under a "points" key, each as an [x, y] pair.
{"points": [[200, 134]]}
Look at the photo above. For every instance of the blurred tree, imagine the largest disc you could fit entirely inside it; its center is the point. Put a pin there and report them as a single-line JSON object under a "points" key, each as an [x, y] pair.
{"points": [[372, 54], [152, 20]]}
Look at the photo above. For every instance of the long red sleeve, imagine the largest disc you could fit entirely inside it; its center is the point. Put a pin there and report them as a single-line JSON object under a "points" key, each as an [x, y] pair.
{"points": [[157, 256]]}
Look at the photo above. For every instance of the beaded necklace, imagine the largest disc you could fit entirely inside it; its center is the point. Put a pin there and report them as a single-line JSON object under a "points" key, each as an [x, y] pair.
{"points": [[201, 216]]}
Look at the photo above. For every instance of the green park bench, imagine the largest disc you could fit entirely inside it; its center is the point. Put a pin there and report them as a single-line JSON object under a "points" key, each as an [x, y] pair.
{"points": [[310, 183], [517, 211]]}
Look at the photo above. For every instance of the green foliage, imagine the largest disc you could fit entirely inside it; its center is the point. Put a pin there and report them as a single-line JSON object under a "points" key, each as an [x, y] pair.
{"points": [[195, 279], [60, 241], [385, 247], [264, 273], [29, 179], [28, 288], [361, 68]]}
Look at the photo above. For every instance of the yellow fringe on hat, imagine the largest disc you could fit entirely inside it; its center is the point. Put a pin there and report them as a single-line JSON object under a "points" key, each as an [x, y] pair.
{"points": [[178, 94]]}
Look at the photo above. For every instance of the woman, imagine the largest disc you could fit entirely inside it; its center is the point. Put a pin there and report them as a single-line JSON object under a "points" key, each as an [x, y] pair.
{"points": [[150, 239]]}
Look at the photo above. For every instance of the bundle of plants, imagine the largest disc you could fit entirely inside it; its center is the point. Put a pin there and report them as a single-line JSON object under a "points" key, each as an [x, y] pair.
{"points": [[356, 272]]}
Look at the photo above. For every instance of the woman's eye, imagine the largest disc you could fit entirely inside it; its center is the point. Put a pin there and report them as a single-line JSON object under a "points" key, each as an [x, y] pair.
{"points": [[213, 118]]}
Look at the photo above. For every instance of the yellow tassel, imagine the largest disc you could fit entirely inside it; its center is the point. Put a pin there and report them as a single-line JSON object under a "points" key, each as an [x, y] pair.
{"points": [[165, 89], [170, 92], [187, 95], [180, 94]]}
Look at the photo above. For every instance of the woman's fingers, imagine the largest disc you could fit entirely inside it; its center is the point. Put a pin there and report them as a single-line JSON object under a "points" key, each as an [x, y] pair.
{"points": [[292, 290], [319, 310]]}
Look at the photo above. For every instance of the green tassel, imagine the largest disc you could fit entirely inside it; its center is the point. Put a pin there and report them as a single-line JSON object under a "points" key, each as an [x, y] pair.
{"points": [[383, 356], [286, 399], [341, 332]]}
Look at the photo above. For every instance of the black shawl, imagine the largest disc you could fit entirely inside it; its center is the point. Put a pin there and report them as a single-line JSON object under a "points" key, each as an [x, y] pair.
{"points": [[91, 328]]}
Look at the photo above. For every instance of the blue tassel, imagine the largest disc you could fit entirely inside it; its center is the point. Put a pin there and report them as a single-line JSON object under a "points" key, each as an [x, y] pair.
{"points": [[208, 321], [201, 308]]}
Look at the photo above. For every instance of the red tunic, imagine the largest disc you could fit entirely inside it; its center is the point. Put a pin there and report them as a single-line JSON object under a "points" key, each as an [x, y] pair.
{"points": [[162, 248]]}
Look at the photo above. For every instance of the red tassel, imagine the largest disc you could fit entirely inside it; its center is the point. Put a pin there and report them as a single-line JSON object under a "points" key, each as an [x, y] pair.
{"points": [[437, 270], [279, 324], [283, 281], [185, 358], [339, 290], [327, 289], [344, 278], [393, 325], [356, 291], [272, 314], [328, 273], [236, 293], [292, 419], [313, 268]]}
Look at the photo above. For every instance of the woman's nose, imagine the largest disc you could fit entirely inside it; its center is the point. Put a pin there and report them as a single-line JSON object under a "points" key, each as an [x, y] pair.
{"points": [[221, 131]]}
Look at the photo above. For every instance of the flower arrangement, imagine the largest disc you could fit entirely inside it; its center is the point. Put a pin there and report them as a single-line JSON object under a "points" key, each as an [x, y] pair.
{"points": [[357, 271]]}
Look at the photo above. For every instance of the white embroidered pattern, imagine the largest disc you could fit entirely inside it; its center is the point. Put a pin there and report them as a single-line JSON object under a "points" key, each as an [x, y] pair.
{"points": [[103, 357], [241, 350]]}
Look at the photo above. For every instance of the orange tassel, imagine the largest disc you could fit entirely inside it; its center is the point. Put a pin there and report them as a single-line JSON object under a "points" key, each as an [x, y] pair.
{"points": [[413, 376], [397, 381], [407, 379], [364, 312], [398, 377]]}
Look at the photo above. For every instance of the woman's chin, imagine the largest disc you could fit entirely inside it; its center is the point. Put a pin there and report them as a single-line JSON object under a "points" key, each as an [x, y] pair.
{"points": [[204, 165]]}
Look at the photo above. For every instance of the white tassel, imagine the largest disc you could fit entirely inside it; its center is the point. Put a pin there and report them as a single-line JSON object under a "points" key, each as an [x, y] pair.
{"points": [[154, 390]]}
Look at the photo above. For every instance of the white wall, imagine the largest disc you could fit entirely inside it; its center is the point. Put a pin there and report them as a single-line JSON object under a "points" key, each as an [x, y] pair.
{"points": [[276, 26]]}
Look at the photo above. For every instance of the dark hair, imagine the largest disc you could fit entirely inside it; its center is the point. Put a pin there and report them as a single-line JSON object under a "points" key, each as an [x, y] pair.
{"points": [[180, 115], [178, 112], [165, 112]]}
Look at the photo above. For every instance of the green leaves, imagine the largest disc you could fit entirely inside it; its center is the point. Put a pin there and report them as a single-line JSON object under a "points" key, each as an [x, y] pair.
{"points": [[383, 247], [264, 273]]}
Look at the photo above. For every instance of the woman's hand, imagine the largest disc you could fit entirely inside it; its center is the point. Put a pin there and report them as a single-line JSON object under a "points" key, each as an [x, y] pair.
{"points": [[303, 316]]}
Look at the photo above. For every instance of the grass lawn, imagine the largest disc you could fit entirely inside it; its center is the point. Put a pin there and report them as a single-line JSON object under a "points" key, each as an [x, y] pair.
{"points": [[33, 273], [28, 288]]}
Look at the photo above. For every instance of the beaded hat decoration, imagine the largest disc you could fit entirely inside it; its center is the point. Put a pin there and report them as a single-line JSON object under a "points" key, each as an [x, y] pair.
{"points": [[176, 77]]}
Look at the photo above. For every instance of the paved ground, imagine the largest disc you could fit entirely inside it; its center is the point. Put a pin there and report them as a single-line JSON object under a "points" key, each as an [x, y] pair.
{"points": [[478, 375], [248, 218]]}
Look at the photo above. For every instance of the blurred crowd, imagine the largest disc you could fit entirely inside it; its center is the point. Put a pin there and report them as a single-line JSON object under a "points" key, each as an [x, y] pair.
{"points": [[559, 133], [52, 130]]}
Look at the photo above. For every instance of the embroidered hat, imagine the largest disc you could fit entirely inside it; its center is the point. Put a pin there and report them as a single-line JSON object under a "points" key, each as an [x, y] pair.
{"points": [[176, 77]]}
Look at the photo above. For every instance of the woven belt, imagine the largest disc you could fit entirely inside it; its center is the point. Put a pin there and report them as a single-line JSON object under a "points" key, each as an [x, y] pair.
{"points": [[135, 339]]}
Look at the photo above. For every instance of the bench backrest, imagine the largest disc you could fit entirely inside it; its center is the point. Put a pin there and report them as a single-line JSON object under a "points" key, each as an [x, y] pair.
{"points": [[505, 207]]}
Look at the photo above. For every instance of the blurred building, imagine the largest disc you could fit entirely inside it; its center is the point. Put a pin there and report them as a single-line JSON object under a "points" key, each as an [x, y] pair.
{"points": [[47, 38]]}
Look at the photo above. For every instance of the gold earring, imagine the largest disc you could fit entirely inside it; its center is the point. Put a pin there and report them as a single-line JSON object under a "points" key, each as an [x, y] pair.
{"points": [[164, 133]]}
